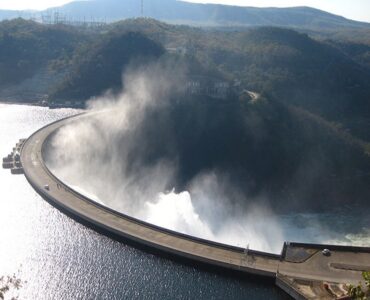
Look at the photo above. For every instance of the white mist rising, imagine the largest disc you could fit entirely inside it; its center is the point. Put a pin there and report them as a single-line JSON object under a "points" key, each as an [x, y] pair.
{"points": [[258, 228], [95, 155]]}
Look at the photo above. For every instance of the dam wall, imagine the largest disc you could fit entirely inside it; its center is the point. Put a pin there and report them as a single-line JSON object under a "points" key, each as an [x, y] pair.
{"points": [[297, 260]]}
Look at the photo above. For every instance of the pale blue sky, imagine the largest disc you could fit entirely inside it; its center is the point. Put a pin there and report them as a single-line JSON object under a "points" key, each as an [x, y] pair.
{"points": [[355, 9], [30, 4]]}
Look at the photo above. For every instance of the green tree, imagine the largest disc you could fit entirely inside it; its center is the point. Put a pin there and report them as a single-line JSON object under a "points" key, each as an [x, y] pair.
{"points": [[358, 292]]}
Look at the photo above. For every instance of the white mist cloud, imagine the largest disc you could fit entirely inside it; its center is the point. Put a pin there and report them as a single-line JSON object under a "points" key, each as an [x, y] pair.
{"points": [[258, 228], [95, 154], [176, 212]]}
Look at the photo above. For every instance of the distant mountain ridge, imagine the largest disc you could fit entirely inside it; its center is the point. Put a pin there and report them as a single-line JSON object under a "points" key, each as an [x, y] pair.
{"points": [[202, 14]]}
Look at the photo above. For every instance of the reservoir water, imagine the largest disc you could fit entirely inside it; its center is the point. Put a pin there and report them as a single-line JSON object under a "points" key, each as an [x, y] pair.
{"points": [[58, 258]]}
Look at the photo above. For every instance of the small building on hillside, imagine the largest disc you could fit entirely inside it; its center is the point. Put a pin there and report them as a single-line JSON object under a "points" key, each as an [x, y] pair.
{"points": [[208, 86]]}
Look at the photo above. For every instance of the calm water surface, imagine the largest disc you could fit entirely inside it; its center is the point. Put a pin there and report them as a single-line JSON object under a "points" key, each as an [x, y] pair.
{"points": [[61, 259]]}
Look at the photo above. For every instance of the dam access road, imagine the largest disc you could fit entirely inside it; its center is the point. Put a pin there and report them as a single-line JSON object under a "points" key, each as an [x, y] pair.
{"points": [[302, 270]]}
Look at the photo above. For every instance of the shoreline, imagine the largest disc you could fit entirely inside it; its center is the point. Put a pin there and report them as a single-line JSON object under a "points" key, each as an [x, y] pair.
{"points": [[20, 103], [38, 105]]}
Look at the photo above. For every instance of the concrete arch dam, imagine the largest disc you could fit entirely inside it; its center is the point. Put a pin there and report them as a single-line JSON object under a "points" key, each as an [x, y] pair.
{"points": [[301, 269]]}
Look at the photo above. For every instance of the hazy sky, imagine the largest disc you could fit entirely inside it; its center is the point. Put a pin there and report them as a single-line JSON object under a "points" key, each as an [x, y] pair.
{"points": [[33, 4], [356, 9]]}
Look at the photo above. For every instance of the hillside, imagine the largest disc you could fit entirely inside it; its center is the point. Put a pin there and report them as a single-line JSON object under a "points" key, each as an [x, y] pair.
{"points": [[98, 67], [32, 56], [181, 12], [305, 137], [209, 14], [268, 150], [298, 70], [327, 78]]}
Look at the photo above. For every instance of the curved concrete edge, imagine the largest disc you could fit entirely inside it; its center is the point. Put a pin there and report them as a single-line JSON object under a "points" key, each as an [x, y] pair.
{"points": [[111, 232], [35, 169], [149, 225], [314, 266]]}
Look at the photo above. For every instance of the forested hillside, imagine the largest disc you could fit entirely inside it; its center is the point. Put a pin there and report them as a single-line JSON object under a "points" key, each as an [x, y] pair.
{"points": [[98, 67], [326, 77], [26, 47], [329, 78], [267, 150], [305, 137]]}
